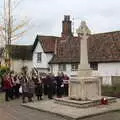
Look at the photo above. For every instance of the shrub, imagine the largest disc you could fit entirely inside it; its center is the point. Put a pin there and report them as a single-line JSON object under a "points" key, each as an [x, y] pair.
{"points": [[3, 70]]}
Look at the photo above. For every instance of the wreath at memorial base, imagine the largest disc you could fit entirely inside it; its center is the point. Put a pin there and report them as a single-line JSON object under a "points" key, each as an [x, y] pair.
{"points": [[104, 101]]}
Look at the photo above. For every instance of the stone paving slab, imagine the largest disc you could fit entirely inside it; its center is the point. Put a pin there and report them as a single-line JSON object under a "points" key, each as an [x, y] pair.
{"points": [[72, 112]]}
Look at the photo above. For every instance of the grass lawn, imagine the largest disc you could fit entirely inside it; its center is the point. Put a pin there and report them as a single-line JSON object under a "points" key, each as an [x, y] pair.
{"points": [[113, 91]]}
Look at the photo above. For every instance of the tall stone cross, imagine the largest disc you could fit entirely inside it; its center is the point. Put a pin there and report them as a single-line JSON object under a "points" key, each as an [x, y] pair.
{"points": [[83, 34], [84, 86]]}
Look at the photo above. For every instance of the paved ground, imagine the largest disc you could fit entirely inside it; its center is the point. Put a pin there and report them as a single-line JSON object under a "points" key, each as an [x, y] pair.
{"points": [[14, 111], [108, 116], [72, 112]]}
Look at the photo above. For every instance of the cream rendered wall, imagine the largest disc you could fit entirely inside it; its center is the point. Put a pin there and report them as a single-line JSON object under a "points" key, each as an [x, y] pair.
{"points": [[49, 57], [43, 63], [109, 69], [55, 70], [106, 70], [46, 57], [16, 65]]}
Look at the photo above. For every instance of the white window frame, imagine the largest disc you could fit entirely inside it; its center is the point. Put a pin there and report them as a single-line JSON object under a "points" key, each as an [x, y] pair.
{"points": [[74, 67], [39, 58], [62, 67]]}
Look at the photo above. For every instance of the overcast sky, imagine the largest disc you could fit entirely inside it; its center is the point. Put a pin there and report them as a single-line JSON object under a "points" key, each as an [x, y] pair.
{"points": [[46, 16]]}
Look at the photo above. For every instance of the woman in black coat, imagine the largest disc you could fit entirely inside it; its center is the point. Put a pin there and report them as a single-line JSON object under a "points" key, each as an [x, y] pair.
{"points": [[50, 85], [38, 90], [59, 84]]}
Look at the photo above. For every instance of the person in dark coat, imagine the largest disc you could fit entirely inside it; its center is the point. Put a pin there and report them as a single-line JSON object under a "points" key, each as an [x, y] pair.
{"points": [[54, 85], [66, 83], [31, 89], [11, 78], [35, 78], [59, 84], [50, 85], [7, 87], [44, 80], [16, 86], [38, 88], [25, 89]]}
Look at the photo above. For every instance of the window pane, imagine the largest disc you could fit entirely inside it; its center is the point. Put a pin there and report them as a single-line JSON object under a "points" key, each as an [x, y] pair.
{"points": [[62, 67], [39, 57], [74, 67], [94, 66]]}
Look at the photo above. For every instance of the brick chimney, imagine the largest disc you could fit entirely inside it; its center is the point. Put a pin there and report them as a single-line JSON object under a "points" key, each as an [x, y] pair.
{"points": [[66, 26]]}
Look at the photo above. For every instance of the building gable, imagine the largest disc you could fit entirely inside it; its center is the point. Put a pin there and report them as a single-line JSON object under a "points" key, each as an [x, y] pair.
{"points": [[38, 48], [47, 43], [40, 60]]}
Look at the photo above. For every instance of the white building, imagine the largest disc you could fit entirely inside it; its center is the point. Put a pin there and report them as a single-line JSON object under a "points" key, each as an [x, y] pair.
{"points": [[21, 56], [55, 54], [43, 52], [103, 54]]}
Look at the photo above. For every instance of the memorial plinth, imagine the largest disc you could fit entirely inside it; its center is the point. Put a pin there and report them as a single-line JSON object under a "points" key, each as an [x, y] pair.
{"points": [[85, 88]]}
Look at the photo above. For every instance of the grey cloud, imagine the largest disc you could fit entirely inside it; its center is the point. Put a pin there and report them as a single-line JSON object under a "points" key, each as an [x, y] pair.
{"points": [[46, 15]]}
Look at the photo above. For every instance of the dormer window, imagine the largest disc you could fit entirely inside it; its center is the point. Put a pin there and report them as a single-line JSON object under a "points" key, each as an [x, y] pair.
{"points": [[39, 57]]}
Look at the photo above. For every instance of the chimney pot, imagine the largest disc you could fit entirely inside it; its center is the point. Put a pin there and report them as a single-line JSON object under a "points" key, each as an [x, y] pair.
{"points": [[66, 26]]}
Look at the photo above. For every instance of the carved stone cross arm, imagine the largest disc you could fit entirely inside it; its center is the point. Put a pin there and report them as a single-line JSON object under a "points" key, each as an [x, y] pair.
{"points": [[83, 29]]}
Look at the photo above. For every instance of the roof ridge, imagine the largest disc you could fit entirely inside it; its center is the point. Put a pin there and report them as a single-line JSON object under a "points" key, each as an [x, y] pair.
{"points": [[106, 32], [47, 36]]}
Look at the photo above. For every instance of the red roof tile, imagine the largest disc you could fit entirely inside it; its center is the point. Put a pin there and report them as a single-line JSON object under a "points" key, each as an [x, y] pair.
{"points": [[104, 47], [47, 42]]}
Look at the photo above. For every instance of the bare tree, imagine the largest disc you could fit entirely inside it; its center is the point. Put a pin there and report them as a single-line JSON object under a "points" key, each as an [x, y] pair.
{"points": [[10, 29]]}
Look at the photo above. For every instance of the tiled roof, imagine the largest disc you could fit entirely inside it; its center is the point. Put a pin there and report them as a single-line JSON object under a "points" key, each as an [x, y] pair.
{"points": [[103, 47], [23, 52], [47, 42]]}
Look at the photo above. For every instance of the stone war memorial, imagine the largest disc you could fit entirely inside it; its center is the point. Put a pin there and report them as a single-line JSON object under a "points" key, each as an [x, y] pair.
{"points": [[84, 88], [84, 97]]}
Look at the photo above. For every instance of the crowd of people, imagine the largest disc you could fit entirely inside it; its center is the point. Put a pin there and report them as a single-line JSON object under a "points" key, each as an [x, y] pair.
{"points": [[29, 85]]}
